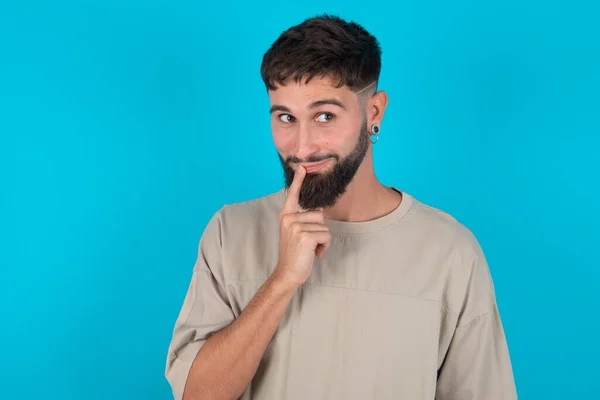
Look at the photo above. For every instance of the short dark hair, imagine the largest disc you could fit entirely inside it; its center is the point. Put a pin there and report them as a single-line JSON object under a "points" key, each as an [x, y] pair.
{"points": [[323, 46]]}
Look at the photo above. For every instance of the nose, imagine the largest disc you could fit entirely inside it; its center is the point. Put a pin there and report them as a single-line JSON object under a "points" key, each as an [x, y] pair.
{"points": [[305, 143]]}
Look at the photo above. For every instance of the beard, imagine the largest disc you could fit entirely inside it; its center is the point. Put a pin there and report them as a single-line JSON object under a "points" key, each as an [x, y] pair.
{"points": [[324, 190]]}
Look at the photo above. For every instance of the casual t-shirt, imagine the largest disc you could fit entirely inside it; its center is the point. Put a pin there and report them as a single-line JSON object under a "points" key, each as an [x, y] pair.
{"points": [[400, 307]]}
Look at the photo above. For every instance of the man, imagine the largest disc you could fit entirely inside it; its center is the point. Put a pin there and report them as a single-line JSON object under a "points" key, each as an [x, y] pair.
{"points": [[336, 287]]}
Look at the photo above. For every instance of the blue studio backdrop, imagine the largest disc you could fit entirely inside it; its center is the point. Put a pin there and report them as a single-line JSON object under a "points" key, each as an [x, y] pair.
{"points": [[124, 125]]}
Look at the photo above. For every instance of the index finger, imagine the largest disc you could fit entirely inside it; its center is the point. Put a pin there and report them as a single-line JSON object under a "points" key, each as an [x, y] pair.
{"points": [[291, 202]]}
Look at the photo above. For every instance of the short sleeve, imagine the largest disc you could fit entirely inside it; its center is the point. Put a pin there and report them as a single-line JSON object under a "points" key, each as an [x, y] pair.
{"points": [[477, 364], [205, 310]]}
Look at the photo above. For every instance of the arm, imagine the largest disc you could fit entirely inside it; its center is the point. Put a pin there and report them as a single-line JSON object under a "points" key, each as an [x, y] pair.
{"points": [[214, 355], [229, 359]]}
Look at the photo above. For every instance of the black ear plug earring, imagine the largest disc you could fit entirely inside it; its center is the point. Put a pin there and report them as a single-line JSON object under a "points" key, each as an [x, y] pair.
{"points": [[374, 133]]}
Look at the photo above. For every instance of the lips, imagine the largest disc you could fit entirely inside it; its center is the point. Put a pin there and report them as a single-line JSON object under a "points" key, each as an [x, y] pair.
{"points": [[314, 167]]}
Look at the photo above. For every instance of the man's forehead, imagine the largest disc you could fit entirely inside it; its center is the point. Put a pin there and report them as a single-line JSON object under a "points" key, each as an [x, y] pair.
{"points": [[305, 94], [308, 90]]}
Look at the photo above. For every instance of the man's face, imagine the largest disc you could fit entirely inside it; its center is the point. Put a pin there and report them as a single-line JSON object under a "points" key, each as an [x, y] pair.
{"points": [[324, 129]]}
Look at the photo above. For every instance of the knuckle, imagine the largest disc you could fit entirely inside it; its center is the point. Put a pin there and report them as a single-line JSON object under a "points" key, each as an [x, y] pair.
{"points": [[282, 217], [296, 228], [304, 237], [321, 217], [285, 220]]}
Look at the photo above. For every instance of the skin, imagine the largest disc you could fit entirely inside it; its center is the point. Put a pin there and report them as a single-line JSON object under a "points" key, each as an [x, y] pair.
{"points": [[301, 130], [228, 360]]}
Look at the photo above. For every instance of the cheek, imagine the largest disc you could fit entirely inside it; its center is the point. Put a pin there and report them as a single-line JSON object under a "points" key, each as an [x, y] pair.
{"points": [[339, 137], [282, 139]]}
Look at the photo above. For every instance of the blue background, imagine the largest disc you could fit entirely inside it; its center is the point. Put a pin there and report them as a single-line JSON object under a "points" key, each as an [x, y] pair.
{"points": [[124, 125]]}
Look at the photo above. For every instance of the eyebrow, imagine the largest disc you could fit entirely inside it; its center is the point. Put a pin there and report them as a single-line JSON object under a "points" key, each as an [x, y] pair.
{"points": [[313, 105]]}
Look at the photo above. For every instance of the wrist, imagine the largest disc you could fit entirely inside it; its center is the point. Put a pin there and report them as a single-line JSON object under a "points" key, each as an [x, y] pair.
{"points": [[282, 282]]}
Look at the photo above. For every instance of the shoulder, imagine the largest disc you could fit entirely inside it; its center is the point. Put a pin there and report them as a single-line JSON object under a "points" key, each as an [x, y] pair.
{"points": [[240, 219], [441, 228], [252, 212], [237, 243], [462, 266]]}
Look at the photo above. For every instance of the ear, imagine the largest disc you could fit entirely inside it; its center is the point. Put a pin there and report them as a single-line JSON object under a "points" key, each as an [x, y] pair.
{"points": [[376, 108]]}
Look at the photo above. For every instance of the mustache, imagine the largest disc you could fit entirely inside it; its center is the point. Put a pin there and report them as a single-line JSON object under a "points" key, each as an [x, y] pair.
{"points": [[311, 159]]}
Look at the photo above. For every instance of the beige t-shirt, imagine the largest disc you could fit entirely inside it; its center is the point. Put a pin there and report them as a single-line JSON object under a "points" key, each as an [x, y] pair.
{"points": [[401, 307]]}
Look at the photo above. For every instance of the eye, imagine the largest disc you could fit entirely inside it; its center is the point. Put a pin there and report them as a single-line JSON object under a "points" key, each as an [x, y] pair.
{"points": [[286, 118], [325, 117]]}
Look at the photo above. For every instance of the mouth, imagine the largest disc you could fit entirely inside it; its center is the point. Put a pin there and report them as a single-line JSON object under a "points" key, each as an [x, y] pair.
{"points": [[315, 166]]}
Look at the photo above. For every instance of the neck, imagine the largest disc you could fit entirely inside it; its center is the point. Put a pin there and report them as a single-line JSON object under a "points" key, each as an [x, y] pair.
{"points": [[365, 198]]}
